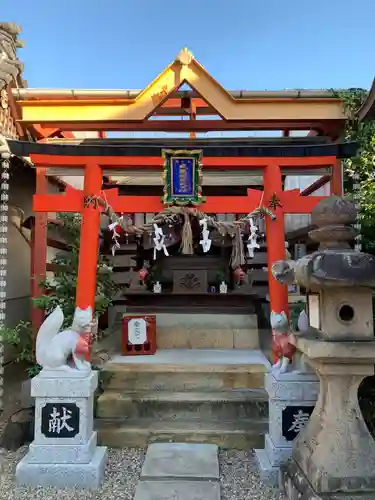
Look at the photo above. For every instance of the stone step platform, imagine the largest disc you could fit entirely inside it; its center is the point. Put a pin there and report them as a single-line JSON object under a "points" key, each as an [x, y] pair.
{"points": [[162, 405], [180, 370], [177, 490], [184, 395], [139, 433]]}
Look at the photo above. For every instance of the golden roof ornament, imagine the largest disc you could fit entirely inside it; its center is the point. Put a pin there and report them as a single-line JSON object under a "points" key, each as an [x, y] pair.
{"points": [[185, 56]]}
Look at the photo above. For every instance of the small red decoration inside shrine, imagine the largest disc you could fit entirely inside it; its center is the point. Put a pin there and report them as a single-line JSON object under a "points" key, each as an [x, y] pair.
{"points": [[143, 273], [138, 335]]}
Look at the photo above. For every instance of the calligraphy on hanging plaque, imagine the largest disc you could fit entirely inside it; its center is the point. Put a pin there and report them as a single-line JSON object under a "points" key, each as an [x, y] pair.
{"points": [[294, 418], [60, 420], [182, 177]]}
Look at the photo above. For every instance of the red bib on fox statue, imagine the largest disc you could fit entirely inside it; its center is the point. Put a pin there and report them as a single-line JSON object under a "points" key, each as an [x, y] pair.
{"points": [[282, 349], [82, 347]]}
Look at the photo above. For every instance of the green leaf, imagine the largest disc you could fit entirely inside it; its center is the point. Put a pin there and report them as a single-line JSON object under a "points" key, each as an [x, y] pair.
{"points": [[62, 290]]}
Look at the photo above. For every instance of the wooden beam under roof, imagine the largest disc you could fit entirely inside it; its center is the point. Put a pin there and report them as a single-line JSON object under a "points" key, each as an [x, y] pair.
{"points": [[210, 178], [328, 127]]}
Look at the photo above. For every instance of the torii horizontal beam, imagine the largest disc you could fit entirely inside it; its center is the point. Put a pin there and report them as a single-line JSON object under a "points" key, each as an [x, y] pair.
{"points": [[73, 201], [330, 127], [237, 162]]}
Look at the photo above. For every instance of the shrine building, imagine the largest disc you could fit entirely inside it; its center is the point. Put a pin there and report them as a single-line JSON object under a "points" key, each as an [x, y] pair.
{"points": [[191, 215]]}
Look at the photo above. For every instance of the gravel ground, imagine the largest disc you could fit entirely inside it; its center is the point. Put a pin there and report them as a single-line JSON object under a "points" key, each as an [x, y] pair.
{"points": [[121, 477], [239, 479]]}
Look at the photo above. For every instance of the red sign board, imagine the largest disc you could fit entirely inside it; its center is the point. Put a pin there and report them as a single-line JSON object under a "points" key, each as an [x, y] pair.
{"points": [[138, 335]]}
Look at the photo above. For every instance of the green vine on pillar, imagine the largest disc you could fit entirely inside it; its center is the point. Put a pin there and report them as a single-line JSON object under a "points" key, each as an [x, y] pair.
{"points": [[363, 163]]}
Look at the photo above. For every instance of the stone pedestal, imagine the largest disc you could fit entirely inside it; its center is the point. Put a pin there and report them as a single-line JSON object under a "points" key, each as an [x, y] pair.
{"points": [[334, 455], [292, 398], [64, 452]]}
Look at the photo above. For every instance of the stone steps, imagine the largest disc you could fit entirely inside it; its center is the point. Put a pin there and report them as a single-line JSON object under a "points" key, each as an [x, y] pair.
{"points": [[162, 405], [138, 433], [184, 395], [181, 378]]}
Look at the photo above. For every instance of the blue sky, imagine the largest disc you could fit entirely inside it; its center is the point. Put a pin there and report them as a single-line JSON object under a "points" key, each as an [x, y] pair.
{"points": [[244, 44]]}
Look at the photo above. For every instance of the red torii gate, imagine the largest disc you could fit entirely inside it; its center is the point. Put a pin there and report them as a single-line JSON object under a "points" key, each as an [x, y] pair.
{"points": [[73, 200]]}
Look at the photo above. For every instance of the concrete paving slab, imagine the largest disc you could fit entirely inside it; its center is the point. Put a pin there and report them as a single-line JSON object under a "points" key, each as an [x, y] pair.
{"points": [[177, 490], [181, 461]]}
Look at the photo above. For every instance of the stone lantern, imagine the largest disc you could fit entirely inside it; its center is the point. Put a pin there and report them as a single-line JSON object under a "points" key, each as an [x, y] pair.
{"points": [[334, 455]]}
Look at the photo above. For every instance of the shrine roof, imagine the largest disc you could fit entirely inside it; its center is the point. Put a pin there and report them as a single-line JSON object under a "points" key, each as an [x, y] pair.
{"points": [[115, 110], [179, 142], [367, 111], [70, 94], [282, 147]]}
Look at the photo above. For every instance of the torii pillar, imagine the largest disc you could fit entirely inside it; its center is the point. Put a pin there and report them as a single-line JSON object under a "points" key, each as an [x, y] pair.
{"points": [[275, 234], [89, 238]]}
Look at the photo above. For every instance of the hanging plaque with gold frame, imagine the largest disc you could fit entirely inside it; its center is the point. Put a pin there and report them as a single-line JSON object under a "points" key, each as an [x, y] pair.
{"points": [[182, 177]]}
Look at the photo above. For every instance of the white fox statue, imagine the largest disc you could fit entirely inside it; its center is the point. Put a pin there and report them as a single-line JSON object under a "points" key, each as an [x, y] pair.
{"points": [[53, 348]]}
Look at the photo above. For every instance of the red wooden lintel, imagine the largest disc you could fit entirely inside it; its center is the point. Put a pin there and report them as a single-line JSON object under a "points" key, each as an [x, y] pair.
{"points": [[293, 203], [235, 162], [72, 201]]}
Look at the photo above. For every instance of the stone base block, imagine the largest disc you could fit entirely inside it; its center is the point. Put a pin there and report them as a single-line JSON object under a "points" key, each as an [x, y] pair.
{"points": [[89, 475], [268, 473], [292, 386], [270, 459], [277, 454], [295, 485], [66, 453], [58, 384]]}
